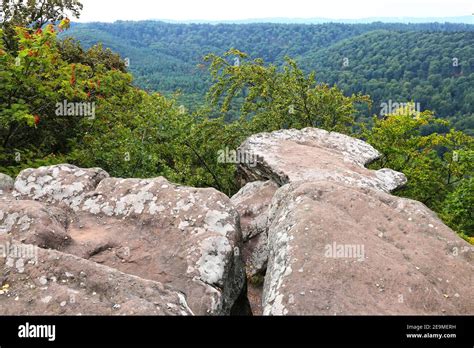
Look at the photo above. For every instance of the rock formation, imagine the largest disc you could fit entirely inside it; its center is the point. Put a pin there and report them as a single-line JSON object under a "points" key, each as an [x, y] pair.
{"points": [[147, 233], [313, 230], [339, 243]]}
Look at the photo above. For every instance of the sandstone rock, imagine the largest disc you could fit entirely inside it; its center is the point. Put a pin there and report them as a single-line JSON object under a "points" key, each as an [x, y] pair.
{"points": [[47, 282], [313, 155], [61, 184], [339, 243], [324, 231], [34, 223], [341, 250], [6, 183], [193, 240], [185, 238], [252, 202]]}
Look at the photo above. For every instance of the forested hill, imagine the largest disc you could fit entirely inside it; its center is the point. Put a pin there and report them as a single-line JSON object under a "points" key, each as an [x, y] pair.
{"points": [[431, 64]]}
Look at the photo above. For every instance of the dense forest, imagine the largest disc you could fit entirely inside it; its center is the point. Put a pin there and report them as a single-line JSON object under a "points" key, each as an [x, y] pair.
{"points": [[429, 64], [66, 102]]}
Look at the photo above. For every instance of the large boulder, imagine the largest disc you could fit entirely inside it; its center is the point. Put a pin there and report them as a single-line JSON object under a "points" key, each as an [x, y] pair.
{"points": [[323, 230], [339, 243], [311, 155], [341, 250], [186, 238], [37, 281]]}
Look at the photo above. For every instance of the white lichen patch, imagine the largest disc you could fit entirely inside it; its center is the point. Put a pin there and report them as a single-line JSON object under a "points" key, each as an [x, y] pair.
{"points": [[24, 222], [153, 208], [91, 206], [187, 204], [133, 203], [57, 184], [217, 221], [183, 225], [184, 304], [20, 265], [46, 299], [214, 257], [390, 179], [279, 260], [9, 222]]}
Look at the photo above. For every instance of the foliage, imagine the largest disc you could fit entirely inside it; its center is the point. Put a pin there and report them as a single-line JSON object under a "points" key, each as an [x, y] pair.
{"points": [[34, 15], [433, 69], [458, 209], [37, 13], [275, 98], [388, 61], [35, 78], [439, 167], [142, 135]]}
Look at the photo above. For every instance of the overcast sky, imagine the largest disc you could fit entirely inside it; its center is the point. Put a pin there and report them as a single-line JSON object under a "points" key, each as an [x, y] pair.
{"points": [[111, 10]]}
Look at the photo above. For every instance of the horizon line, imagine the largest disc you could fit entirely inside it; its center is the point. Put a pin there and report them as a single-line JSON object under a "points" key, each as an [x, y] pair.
{"points": [[296, 19]]}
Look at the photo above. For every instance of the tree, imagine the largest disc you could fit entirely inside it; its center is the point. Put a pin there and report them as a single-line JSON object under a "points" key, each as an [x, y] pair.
{"points": [[37, 13], [96, 56], [439, 167], [34, 80], [270, 98], [398, 62], [34, 14], [458, 209]]}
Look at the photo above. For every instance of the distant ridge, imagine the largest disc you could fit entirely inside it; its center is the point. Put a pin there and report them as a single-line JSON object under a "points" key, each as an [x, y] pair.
{"points": [[388, 61], [318, 20]]}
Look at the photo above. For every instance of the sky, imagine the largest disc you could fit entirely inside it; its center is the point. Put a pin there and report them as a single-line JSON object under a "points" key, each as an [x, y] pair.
{"points": [[112, 10]]}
